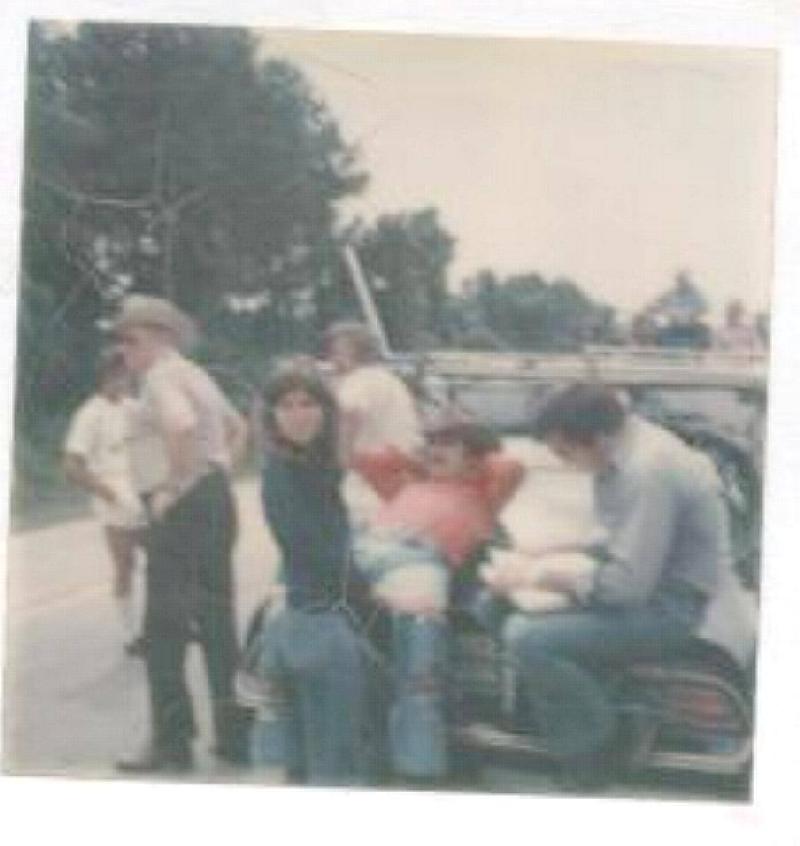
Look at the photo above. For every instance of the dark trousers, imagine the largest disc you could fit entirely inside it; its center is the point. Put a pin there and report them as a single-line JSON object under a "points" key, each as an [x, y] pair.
{"points": [[190, 596]]}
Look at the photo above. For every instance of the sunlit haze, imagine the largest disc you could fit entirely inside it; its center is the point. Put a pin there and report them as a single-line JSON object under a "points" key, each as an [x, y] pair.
{"points": [[613, 165]]}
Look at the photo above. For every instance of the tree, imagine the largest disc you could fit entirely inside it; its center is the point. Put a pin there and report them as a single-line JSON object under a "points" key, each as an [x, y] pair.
{"points": [[170, 159], [525, 312], [405, 256]]}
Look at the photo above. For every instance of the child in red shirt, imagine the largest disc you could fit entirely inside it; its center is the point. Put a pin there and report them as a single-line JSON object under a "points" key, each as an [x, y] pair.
{"points": [[447, 501], [436, 511]]}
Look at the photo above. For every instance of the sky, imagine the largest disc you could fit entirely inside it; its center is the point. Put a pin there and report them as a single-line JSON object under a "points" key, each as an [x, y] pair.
{"points": [[614, 165]]}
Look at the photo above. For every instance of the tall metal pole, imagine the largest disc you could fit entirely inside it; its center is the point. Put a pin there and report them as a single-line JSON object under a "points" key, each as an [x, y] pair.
{"points": [[365, 298]]}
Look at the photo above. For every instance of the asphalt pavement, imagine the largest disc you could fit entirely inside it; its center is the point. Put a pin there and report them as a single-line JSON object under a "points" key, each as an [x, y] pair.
{"points": [[74, 702]]}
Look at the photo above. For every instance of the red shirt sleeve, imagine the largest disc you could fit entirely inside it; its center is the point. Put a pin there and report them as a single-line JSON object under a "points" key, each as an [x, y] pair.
{"points": [[387, 470], [501, 478]]}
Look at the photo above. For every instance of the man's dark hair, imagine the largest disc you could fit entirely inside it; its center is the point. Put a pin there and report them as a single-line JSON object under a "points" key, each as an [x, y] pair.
{"points": [[581, 413], [454, 424]]}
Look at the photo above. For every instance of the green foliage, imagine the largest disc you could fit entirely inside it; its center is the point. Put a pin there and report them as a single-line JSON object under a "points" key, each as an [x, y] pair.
{"points": [[525, 312], [39, 487], [181, 161], [173, 160], [406, 256]]}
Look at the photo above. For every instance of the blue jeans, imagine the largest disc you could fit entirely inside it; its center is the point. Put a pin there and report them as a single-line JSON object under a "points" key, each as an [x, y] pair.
{"points": [[417, 727], [416, 722], [392, 565], [562, 657], [312, 719]]}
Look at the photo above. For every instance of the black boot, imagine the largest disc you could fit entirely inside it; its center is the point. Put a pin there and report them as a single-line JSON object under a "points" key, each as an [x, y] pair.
{"points": [[136, 648]]}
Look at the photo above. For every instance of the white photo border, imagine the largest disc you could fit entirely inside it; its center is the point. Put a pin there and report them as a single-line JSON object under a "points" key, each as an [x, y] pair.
{"points": [[133, 812]]}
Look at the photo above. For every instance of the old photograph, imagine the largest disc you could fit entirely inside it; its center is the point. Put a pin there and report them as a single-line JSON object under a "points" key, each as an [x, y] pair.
{"points": [[390, 411]]}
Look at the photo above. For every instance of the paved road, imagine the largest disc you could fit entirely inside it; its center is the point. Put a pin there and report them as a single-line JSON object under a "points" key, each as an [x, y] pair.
{"points": [[74, 702]]}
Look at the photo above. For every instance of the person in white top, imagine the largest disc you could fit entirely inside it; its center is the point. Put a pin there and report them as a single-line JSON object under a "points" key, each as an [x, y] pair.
{"points": [[738, 334], [97, 458], [377, 408], [190, 536]]}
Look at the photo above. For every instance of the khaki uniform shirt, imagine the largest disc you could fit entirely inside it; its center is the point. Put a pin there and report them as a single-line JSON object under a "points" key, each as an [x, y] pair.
{"points": [[177, 395]]}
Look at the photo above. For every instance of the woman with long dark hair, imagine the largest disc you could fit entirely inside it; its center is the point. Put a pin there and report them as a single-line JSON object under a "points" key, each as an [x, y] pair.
{"points": [[310, 656]]}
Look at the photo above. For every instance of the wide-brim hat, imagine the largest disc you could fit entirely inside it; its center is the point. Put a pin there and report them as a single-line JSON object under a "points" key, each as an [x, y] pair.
{"points": [[449, 421], [156, 312]]}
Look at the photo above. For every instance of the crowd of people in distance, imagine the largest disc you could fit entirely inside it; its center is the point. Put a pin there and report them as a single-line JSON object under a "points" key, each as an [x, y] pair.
{"points": [[379, 513], [677, 322]]}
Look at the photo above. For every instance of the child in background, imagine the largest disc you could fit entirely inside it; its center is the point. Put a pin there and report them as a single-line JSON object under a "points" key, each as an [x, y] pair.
{"points": [[377, 409], [97, 459], [436, 512]]}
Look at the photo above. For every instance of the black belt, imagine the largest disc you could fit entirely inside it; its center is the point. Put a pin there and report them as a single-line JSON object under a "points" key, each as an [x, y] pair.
{"points": [[321, 605], [330, 608], [684, 590], [686, 596], [212, 469]]}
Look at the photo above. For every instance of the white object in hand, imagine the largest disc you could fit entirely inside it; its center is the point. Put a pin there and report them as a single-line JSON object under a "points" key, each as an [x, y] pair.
{"points": [[522, 573]]}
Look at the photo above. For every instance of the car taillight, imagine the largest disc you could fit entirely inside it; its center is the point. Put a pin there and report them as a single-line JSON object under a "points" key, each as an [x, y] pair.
{"points": [[701, 706]]}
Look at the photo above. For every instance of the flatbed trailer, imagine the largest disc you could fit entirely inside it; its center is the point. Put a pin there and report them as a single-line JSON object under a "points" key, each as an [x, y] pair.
{"points": [[618, 366]]}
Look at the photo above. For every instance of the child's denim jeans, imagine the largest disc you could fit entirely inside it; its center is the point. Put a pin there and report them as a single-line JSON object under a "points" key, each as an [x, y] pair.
{"points": [[417, 729]]}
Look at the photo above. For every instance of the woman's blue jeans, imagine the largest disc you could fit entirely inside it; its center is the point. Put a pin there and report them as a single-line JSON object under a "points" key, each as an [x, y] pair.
{"points": [[312, 720]]}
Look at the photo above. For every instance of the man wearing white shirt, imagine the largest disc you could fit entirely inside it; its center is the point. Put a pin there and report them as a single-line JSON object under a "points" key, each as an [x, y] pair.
{"points": [[191, 534]]}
